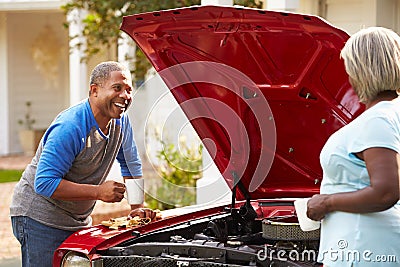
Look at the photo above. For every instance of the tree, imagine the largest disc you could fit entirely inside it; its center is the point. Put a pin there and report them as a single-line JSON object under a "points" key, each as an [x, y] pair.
{"points": [[101, 25]]}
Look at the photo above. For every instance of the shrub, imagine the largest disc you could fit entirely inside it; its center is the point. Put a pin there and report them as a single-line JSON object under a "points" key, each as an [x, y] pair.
{"points": [[179, 167]]}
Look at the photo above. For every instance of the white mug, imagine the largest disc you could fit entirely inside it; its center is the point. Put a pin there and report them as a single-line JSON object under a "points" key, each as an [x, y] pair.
{"points": [[135, 190], [306, 224]]}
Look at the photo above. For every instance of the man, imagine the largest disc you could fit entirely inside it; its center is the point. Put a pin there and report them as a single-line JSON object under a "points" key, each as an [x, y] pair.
{"points": [[59, 188]]}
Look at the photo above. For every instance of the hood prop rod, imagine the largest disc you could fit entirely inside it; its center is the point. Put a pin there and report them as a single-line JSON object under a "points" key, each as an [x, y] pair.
{"points": [[246, 211], [234, 189]]}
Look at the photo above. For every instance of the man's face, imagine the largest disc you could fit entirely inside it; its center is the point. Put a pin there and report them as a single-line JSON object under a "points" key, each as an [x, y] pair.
{"points": [[114, 95]]}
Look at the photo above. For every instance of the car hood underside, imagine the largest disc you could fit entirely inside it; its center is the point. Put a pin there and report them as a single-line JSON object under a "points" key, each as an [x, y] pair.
{"points": [[264, 90]]}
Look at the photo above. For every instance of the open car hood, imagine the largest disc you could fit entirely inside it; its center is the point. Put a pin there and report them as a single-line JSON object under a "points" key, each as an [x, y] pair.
{"points": [[264, 90]]}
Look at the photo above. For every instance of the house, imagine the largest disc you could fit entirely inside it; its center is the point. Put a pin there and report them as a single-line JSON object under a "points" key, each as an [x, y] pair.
{"points": [[36, 65], [54, 79]]}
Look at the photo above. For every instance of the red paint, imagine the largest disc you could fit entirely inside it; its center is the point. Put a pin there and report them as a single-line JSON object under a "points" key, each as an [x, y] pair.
{"points": [[268, 88]]}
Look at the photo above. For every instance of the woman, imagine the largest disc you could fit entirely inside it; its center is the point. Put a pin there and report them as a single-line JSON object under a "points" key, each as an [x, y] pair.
{"points": [[359, 200]]}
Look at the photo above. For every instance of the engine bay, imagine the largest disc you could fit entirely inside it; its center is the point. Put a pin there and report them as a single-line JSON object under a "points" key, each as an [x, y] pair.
{"points": [[235, 238]]}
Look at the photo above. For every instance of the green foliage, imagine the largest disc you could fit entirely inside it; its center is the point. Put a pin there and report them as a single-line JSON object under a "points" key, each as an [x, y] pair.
{"points": [[10, 175], [179, 168], [101, 25]]}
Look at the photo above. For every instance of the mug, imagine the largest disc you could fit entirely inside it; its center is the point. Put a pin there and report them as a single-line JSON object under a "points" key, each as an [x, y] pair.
{"points": [[135, 190]]}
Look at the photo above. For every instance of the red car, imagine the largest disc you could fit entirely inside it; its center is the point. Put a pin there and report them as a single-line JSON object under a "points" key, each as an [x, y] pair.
{"points": [[264, 90]]}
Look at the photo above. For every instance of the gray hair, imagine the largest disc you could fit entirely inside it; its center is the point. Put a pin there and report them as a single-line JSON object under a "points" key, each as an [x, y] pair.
{"points": [[102, 71], [372, 61]]}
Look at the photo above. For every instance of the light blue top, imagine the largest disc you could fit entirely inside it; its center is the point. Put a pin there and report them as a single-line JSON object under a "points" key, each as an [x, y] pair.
{"points": [[350, 239]]}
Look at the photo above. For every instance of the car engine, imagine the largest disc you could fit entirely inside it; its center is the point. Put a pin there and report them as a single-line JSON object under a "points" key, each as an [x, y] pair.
{"points": [[235, 238]]}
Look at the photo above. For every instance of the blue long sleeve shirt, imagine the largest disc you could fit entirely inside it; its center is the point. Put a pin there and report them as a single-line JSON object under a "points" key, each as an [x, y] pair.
{"points": [[75, 149]]}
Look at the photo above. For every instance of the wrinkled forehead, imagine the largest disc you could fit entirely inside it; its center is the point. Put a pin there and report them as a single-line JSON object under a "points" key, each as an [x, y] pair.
{"points": [[127, 75], [118, 75]]}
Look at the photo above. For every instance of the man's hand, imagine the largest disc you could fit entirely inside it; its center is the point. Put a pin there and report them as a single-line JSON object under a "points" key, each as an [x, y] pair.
{"points": [[144, 213], [111, 191]]}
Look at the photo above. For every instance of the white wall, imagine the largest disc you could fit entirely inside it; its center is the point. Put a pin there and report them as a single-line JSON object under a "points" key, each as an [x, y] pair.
{"points": [[387, 14], [351, 15], [357, 14], [4, 114], [308, 7], [25, 83]]}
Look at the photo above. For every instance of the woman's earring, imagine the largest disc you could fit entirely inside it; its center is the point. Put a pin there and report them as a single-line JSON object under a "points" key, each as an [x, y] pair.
{"points": [[398, 91]]}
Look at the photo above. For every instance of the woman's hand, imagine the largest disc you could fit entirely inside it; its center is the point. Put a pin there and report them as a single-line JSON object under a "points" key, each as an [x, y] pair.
{"points": [[318, 207]]}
